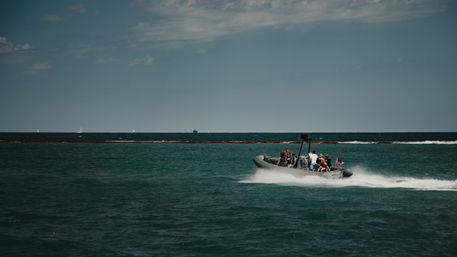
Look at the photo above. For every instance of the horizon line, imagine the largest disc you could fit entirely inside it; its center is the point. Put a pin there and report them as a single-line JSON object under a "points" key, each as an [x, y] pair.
{"points": [[209, 132]]}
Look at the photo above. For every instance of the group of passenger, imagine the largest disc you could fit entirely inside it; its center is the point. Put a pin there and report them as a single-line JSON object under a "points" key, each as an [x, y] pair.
{"points": [[287, 159], [316, 162], [319, 162]]}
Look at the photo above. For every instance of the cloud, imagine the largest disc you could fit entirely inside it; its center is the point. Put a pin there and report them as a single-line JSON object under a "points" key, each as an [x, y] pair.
{"points": [[200, 51], [8, 47], [206, 20], [34, 69], [52, 18], [78, 8], [147, 60], [41, 66], [108, 60]]}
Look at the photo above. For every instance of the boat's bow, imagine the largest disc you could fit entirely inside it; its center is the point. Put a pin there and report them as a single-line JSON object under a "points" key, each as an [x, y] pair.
{"points": [[260, 162]]}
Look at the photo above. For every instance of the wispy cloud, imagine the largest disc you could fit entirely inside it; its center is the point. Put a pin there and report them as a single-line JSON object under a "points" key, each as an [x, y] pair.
{"points": [[206, 20], [41, 66], [200, 51], [35, 68], [79, 8], [52, 18], [147, 60], [112, 60], [8, 47]]}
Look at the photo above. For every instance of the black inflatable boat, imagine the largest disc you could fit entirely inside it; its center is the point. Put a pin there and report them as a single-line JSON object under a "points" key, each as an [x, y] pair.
{"points": [[266, 162], [301, 167]]}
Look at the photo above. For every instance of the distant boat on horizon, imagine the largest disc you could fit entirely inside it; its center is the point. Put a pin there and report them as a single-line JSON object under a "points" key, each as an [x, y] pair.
{"points": [[195, 131], [80, 130]]}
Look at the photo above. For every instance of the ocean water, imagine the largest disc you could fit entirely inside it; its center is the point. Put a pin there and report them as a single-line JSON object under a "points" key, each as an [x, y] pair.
{"points": [[166, 194]]}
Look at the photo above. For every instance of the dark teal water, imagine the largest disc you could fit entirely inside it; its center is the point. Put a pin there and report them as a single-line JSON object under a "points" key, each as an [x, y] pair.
{"points": [[152, 199]]}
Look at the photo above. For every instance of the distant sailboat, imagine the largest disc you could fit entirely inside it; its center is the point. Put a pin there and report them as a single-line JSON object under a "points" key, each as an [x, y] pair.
{"points": [[80, 130]]}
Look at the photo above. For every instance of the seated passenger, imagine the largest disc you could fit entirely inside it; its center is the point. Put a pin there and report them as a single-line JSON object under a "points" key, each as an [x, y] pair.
{"points": [[339, 162], [282, 160], [293, 161], [319, 158], [328, 161], [288, 160], [323, 165]]}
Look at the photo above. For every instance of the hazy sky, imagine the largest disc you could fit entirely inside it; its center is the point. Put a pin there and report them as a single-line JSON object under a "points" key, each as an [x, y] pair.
{"points": [[234, 66]]}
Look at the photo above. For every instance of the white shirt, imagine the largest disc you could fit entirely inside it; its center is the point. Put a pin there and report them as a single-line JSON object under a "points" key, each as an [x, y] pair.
{"points": [[313, 157]]}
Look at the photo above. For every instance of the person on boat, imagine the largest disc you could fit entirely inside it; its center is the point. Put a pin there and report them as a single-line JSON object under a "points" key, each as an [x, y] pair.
{"points": [[288, 160], [312, 159], [282, 160], [328, 161], [322, 165], [339, 162], [318, 161], [293, 160]]}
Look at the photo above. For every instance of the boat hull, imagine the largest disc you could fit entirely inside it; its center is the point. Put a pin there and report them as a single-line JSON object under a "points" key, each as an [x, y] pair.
{"points": [[264, 162]]}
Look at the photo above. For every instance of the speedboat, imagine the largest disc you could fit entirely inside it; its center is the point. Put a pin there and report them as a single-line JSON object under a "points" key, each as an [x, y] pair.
{"points": [[269, 163], [301, 167]]}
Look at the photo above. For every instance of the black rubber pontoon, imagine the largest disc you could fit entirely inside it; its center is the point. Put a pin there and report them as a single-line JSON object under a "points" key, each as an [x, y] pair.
{"points": [[301, 167], [269, 163]]}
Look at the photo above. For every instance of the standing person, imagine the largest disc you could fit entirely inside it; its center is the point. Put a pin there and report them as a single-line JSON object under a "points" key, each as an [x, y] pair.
{"points": [[312, 160]]}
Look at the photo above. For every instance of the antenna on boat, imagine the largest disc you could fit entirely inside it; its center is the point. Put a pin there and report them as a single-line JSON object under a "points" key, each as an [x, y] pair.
{"points": [[304, 138], [309, 145]]}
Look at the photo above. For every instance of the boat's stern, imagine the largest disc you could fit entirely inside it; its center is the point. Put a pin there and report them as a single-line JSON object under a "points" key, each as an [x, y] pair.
{"points": [[346, 173]]}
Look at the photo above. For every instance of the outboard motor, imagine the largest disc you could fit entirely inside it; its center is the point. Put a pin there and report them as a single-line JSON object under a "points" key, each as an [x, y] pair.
{"points": [[346, 173]]}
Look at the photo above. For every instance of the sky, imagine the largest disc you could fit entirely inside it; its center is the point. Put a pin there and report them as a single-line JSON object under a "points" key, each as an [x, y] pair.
{"points": [[228, 66]]}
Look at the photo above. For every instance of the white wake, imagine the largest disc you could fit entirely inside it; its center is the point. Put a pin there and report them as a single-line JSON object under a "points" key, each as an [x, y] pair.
{"points": [[425, 142], [360, 178]]}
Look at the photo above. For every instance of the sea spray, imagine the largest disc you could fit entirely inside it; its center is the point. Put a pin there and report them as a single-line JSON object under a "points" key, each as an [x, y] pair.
{"points": [[425, 142], [361, 178]]}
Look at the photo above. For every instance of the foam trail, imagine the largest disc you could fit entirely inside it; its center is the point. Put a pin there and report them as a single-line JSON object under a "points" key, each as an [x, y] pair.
{"points": [[360, 178], [358, 142], [426, 142]]}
